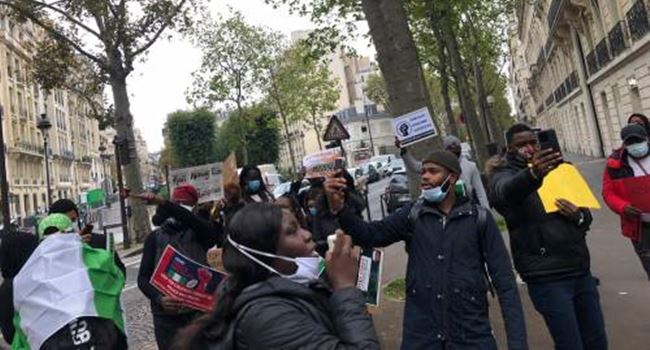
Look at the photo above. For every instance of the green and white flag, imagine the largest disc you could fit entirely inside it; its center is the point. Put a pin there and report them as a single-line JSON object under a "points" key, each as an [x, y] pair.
{"points": [[64, 279]]}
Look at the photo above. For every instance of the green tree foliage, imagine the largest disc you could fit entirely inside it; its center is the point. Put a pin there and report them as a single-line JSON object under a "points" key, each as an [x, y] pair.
{"points": [[376, 89], [191, 137], [235, 55], [262, 129], [109, 36]]}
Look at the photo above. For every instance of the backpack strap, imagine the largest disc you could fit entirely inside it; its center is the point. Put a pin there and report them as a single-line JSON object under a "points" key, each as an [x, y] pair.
{"points": [[481, 224], [414, 214]]}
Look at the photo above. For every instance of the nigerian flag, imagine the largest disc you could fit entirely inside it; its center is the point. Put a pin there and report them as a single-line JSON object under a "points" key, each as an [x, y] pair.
{"points": [[64, 279]]}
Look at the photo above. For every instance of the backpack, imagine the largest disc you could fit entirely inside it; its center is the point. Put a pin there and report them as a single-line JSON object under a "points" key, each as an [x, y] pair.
{"points": [[87, 333], [481, 223]]}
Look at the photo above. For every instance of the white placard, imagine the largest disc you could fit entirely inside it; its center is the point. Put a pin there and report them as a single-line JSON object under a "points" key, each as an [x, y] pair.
{"points": [[414, 127], [208, 180]]}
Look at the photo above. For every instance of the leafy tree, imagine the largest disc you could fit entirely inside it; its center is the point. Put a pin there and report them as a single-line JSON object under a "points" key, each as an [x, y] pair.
{"points": [[263, 130], [109, 36], [191, 136], [376, 89], [234, 56]]}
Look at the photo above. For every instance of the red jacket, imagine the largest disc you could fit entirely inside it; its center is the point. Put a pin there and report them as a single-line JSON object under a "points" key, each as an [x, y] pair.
{"points": [[615, 193]]}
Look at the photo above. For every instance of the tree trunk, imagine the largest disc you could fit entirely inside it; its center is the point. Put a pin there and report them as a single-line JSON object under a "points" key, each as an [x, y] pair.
{"points": [[139, 221], [400, 65], [481, 98], [317, 130], [443, 19], [444, 85], [244, 136]]}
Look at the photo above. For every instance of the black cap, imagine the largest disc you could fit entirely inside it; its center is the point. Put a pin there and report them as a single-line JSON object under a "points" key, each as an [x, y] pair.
{"points": [[633, 130], [445, 159]]}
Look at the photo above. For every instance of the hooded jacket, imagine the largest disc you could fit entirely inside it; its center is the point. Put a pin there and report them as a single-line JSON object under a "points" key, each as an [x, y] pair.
{"points": [[545, 246], [615, 194], [281, 314]]}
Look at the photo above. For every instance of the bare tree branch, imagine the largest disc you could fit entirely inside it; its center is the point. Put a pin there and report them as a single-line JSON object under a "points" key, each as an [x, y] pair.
{"points": [[67, 16], [162, 28], [57, 34]]}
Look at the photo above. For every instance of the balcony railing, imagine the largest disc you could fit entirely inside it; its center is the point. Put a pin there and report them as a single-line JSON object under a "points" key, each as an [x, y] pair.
{"points": [[550, 100], [602, 53], [574, 79], [553, 13], [616, 38], [637, 20], [592, 63], [25, 146]]}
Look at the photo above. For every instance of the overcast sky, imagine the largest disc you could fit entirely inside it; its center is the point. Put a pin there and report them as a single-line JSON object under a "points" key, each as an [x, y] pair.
{"points": [[157, 86]]}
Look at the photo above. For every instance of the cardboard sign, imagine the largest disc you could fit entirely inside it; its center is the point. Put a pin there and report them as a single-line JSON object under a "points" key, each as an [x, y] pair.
{"points": [[208, 180], [193, 284], [414, 127], [230, 176], [566, 182], [638, 191], [322, 163], [371, 264]]}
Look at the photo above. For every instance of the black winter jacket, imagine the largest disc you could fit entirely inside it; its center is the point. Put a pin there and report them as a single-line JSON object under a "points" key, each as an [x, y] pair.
{"points": [[545, 247], [446, 292], [281, 314]]}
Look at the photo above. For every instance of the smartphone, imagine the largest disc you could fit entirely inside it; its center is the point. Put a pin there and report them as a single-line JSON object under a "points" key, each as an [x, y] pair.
{"points": [[548, 140]]}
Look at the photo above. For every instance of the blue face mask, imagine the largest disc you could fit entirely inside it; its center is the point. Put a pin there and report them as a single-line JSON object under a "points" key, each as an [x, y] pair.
{"points": [[254, 186], [436, 195], [313, 211], [638, 150]]}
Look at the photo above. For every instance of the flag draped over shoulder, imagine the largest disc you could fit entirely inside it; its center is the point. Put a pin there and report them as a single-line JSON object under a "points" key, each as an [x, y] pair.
{"points": [[64, 279]]}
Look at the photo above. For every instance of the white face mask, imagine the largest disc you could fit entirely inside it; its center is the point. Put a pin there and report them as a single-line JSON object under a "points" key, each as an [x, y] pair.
{"points": [[309, 268]]}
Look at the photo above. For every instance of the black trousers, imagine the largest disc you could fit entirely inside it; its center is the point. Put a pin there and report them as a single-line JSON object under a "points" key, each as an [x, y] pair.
{"points": [[167, 326]]}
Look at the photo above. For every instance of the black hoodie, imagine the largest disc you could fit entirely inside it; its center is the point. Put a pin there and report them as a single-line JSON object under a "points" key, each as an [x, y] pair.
{"points": [[281, 314]]}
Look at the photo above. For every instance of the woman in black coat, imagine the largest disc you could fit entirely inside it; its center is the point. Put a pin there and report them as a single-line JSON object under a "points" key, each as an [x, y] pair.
{"points": [[274, 298]]}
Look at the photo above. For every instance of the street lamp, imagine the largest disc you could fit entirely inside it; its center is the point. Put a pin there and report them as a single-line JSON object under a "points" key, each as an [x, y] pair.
{"points": [[44, 125], [103, 156]]}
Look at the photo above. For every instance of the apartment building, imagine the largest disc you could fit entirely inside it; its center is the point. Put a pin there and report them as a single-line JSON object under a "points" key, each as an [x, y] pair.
{"points": [[74, 139], [581, 67]]}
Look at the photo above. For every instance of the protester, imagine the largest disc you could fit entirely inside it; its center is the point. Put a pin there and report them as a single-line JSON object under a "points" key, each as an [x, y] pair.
{"points": [[15, 249], [290, 203], [470, 176], [631, 160], [274, 299], [69, 208], [232, 202], [192, 236], [67, 294], [252, 185], [640, 119], [449, 241], [549, 249]]}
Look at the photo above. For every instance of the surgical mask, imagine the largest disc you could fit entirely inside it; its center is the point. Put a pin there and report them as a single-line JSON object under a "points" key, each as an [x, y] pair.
{"points": [[313, 211], [188, 207], [254, 185], [436, 195], [638, 150], [309, 268]]}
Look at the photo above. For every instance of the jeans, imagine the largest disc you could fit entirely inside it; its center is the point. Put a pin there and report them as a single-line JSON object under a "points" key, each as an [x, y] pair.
{"points": [[571, 309]]}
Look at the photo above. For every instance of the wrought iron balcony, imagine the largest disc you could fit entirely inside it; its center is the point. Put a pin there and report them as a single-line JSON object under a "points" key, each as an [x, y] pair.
{"points": [[602, 53], [553, 13], [637, 20], [550, 100], [592, 63], [616, 38], [574, 79]]}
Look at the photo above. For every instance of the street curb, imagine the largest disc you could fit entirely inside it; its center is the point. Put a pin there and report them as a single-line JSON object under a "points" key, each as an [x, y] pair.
{"points": [[133, 252]]}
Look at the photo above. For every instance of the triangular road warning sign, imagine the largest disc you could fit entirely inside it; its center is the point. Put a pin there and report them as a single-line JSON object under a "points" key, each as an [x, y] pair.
{"points": [[335, 130]]}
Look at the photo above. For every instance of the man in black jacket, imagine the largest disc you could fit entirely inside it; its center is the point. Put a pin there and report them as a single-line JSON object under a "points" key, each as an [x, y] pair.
{"points": [[549, 249], [449, 241], [192, 236]]}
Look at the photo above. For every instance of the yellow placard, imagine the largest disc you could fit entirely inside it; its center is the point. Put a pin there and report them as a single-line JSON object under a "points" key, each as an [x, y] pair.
{"points": [[566, 182]]}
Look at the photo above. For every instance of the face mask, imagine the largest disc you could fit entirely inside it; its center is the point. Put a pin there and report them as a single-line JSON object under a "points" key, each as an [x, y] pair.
{"points": [[309, 268], [637, 150], [254, 185], [436, 194], [190, 208], [313, 211]]}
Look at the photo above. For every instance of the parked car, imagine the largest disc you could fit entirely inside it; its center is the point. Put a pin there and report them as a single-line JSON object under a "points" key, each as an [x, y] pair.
{"points": [[397, 191], [272, 180], [281, 189], [371, 172], [382, 164], [397, 165]]}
